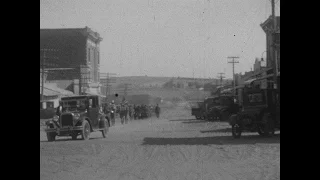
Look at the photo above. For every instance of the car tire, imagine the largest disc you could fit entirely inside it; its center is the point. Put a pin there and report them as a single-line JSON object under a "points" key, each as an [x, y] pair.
{"points": [[85, 133], [236, 131], [51, 136]]}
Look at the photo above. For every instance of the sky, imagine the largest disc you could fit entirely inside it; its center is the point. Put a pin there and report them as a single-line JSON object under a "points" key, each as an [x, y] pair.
{"points": [[171, 38]]}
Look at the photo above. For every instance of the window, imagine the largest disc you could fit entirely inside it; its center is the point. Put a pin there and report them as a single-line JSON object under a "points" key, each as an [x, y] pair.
{"points": [[89, 54], [49, 104], [94, 102]]}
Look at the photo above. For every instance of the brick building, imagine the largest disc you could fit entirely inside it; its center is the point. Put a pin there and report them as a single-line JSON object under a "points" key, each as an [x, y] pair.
{"points": [[267, 27], [76, 48]]}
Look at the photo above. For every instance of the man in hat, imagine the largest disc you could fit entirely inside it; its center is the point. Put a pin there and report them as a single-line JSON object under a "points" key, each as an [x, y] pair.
{"points": [[113, 113], [59, 109]]}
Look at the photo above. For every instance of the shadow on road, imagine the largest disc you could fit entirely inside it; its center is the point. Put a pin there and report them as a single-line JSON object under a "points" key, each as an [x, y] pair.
{"points": [[217, 130], [182, 119], [70, 139], [217, 140], [195, 121]]}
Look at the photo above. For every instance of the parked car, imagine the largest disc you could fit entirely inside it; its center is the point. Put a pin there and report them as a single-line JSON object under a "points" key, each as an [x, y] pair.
{"points": [[81, 116], [197, 109], [260, 112], [222, 107]]}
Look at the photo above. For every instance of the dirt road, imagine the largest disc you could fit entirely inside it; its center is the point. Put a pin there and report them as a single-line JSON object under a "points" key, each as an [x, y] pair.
{"points": [[172, 147]]}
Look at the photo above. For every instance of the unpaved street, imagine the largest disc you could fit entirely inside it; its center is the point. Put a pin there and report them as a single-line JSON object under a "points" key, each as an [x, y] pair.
{"points": [[172, 147]]}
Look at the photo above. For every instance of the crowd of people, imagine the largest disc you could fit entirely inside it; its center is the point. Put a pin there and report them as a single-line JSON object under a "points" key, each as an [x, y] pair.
{"points": [[128, 111]]}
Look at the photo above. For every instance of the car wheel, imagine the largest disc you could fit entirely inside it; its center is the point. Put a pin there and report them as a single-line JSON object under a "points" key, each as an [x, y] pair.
{"points": [[85, 133], [51, 136], [236, 130], [105, 129]]}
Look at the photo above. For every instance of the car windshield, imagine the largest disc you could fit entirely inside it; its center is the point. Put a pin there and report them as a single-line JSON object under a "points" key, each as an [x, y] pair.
{"points": [[74, 105], [225, 101]]}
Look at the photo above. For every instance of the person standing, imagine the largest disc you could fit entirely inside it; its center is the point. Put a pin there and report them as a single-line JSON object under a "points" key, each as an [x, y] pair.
{"points": [[113, 113], [59, 109], [157, 111], [122, 113], [130, 112], [126, 112]]}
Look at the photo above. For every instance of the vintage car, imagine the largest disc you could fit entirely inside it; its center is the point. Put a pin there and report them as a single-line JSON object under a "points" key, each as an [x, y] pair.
{"points": [[81, 115], [206, 106], [197, 110], [222, 107], [259, 111]]}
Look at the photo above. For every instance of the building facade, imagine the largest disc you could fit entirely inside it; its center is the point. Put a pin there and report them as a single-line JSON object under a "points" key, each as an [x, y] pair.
{"points": [[271, 40], [77, 49]]}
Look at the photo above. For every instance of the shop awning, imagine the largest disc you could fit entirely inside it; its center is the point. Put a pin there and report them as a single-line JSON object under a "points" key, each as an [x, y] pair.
{"points": [[249, 81], [265, 77], [95, 94], [53, 90]]}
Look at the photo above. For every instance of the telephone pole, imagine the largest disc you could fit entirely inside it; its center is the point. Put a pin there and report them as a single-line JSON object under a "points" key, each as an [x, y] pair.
{"points": [[108, 81], [221, 77], [125, 92], [274, 55], [42, 75], [233, 62]]}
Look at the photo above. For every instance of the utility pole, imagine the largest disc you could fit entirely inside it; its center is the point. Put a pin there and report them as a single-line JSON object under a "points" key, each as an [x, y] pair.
{"points": [[109, 79], [221, 77], [274, 56], [42, 75], [125, 92], [233, 62]]}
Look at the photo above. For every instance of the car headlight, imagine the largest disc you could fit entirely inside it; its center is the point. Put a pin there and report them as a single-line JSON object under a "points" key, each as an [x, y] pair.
{"points": [[55, 118], [76, 116], [48, 123]]}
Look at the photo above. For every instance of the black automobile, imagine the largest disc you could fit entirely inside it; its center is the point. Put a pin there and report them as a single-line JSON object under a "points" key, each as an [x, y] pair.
{"points": [[222, 107], [197, 109], [260, 111], [81, 116]]}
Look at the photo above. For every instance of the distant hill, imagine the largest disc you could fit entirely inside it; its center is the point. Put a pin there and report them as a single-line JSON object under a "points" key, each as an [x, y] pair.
{"points": [[153, 86], [147, 81]]}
